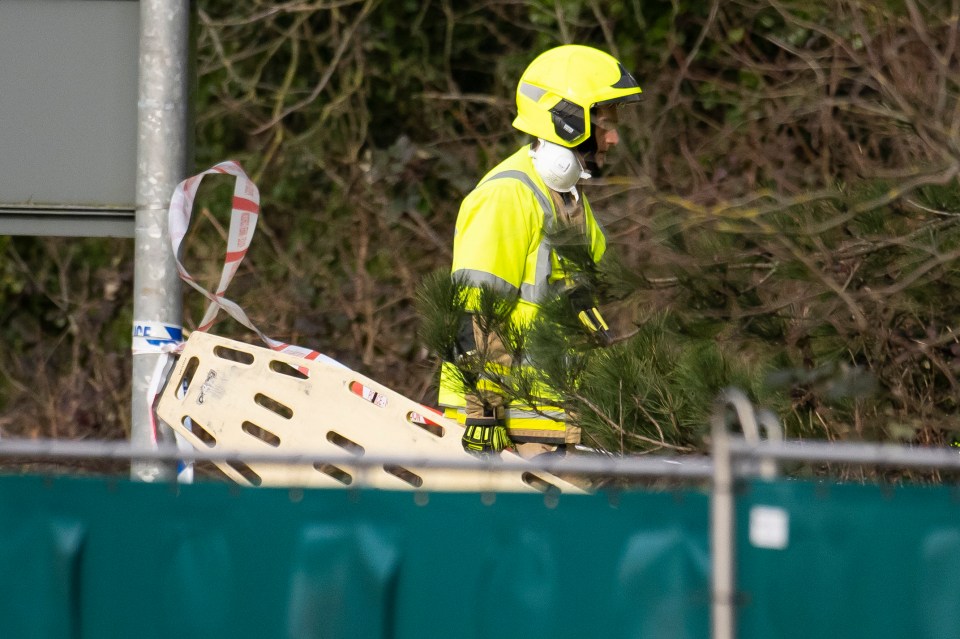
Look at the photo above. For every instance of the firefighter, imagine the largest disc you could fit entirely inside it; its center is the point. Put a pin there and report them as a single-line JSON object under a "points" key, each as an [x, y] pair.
{"points": [[567, 100]]}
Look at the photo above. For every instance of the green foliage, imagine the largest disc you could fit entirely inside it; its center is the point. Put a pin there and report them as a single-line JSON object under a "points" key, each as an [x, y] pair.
{"points": [[442, 305], [654, 390], [66, 320], [784, 196]]}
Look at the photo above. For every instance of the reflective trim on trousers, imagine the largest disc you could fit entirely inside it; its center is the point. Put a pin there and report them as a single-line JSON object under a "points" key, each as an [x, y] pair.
{"points": [[528, 429], [458, 414], [547, 413]]}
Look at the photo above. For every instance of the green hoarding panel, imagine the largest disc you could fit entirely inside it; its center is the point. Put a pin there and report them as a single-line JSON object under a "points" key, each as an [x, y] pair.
{"points": [[848, 561], [112, 558]]}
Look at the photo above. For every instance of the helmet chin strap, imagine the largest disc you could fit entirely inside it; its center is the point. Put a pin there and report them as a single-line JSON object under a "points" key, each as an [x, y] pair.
{"points": [[587, 151], [558, 166]]}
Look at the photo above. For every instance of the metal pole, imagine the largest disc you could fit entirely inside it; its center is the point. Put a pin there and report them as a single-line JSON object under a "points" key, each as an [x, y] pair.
{"points": [[162, 143], [721, 518]]}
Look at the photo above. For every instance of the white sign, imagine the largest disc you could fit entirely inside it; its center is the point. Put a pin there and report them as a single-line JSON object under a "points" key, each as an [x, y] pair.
{"points": [[769, 527]]}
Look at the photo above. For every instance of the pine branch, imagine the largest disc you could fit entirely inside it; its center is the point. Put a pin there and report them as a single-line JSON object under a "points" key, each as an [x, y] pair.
{"points": [[662, 443]]}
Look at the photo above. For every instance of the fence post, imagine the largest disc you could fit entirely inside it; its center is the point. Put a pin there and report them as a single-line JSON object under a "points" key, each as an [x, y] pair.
{"points": [[162, 143], [722, 613]]}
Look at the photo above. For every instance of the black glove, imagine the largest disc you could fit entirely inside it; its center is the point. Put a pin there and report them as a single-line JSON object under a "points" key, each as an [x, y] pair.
{"points": [[585, 306], [485, 436], [596, 325], [466, 343]]}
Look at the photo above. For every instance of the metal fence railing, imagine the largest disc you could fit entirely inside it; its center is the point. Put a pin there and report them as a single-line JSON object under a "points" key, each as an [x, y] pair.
{"points": [[757, 451]]}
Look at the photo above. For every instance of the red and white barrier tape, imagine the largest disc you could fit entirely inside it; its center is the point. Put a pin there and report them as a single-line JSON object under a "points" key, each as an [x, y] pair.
{"points": [[245, 211]]}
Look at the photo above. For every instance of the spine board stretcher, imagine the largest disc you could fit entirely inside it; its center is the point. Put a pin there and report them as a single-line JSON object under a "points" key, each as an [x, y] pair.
{"points": [[231, 396]]}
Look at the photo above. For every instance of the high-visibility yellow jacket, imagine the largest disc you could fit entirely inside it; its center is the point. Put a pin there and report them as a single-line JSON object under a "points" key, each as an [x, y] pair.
{"points": [[501, 241]]}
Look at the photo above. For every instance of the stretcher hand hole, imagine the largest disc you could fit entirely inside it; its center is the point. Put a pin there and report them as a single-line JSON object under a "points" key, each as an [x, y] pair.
{"points": [[245, 471], [538, 483], [367, 393], [286, 369], [199, 431], [273, 405], [417, 419], [233, 355], [339, 474], [348, 445], [188, 373], [261, 433], [405, 475]]}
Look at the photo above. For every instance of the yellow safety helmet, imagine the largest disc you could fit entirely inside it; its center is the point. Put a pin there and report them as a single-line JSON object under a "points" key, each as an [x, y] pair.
{"points": [[561, 85]]}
